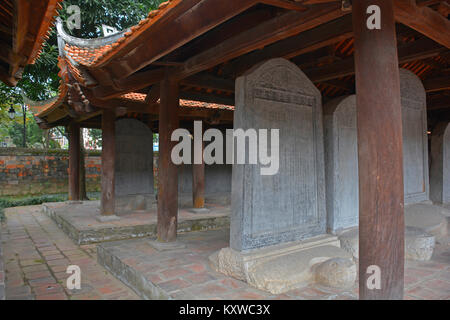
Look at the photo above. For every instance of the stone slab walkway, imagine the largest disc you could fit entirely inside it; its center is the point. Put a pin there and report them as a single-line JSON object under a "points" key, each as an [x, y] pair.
{"points": [[186, 274], [36, 254]]}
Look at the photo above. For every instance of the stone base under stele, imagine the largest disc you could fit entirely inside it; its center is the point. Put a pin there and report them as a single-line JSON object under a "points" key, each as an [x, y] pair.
{"points": [[280, 268], [108, 218], [166, 246], [419, 245], [199, 210]]}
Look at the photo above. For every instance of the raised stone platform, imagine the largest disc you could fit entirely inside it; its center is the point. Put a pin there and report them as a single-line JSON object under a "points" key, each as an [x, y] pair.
{"points": [[79, 221]]}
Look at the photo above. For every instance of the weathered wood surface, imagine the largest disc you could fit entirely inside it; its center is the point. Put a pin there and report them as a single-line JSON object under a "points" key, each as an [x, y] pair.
{"points": [[379, 118], [108, 163], [167, 170], [424, 20], [74, 161]]}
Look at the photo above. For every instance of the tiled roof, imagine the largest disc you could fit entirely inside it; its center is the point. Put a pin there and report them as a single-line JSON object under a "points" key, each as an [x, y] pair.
{"points": [[86, 56], [44, 30], [140, 97], [93, 56], [40, 108]]}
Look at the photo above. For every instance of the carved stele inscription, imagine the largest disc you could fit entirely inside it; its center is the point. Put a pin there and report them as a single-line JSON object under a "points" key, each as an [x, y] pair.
{"points": [[446, 166], [290, 205], [341, 163], [341, 154], [415, 140], [440, 164], [134, 158]]}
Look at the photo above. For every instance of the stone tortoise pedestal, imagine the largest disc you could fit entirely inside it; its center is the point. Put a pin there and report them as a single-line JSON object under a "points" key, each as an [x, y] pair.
{"points": [[425, 224], [281, 268]]}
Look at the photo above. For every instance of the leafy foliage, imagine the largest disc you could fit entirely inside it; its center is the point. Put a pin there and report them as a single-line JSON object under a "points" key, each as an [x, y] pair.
{"points": [[40, 81]]}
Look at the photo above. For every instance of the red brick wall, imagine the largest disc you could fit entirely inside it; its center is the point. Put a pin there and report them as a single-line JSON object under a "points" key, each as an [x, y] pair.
{"points": [[35, 172]]}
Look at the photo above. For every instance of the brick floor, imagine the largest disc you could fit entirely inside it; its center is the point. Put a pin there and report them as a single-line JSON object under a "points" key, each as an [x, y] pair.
{"points": [[186, 274], [36, 254]]}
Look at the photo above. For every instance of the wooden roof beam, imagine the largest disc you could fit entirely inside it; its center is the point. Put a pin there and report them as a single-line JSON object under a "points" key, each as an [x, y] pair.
{"points": [[135, 82], [311, 40], [417, 50], [230, 28], [276, 29], [21, 21], [208, 98], [437, 84], [198, 18], [285, 4], [439, 103], [209, 81], [424, 20], [153, 94]]}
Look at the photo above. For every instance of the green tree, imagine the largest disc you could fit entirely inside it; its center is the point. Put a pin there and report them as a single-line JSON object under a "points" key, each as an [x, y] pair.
{"points": [[95, 136], [40, 81]]}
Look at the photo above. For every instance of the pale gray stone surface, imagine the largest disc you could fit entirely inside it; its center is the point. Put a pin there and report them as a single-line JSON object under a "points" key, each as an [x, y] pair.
{"points": [[336, 273], [289, 206], [415, 139], [280, 268], [341, 163], [134, 166], [341, 152], [440, 164], [107, 218], [428, 218], [167, 246], [217, 179], [350, 241], [419, 244]]}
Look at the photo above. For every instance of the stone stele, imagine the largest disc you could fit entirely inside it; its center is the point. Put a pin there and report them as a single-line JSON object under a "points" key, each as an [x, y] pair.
{"points": [[341, 159], [341, 153], [440, 164], [415, 138], [278, 222], [134, 166]]}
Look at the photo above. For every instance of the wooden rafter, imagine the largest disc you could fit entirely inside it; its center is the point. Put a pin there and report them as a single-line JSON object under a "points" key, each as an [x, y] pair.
{"points": [[437, 84], [285, 4], [421, 49], [310, 40], [278, 28], [424, 20], [198, 18]]}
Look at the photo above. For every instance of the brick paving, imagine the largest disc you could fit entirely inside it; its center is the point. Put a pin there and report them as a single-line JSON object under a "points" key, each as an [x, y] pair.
{"points": [[36, 254], [186, 274]]}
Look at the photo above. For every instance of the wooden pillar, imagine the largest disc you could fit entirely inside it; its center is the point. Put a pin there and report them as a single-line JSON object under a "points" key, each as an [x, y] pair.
{"points": [[379, 116], [108, 162], [167, 170], [198, 171], [74, 161]]}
